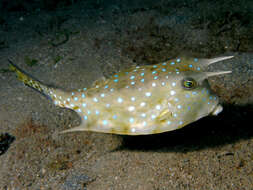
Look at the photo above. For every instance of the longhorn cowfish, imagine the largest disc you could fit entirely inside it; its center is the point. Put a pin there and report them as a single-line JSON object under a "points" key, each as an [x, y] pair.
{"points": [[140, 100]]}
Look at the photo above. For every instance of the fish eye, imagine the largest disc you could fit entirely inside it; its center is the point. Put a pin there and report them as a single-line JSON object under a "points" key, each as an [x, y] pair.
{"points": [[189, 83]]}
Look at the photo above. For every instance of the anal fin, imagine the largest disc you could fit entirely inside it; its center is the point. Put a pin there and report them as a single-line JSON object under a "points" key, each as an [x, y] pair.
{"points": [[78, 128]]}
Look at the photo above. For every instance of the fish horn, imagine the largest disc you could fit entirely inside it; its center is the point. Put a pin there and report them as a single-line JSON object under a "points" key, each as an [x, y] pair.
{"points": [[210, 74], [217, 59]]}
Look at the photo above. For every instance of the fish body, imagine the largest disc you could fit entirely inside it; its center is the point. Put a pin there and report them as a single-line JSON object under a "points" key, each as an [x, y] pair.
{"points": [[141, 100]]}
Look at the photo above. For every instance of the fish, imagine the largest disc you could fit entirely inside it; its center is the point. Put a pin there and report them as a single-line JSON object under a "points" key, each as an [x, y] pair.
{"points": [[140, 100]]}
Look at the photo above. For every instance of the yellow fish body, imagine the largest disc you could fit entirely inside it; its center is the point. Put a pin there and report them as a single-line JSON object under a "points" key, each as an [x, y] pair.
{"points": [[142, 99]]}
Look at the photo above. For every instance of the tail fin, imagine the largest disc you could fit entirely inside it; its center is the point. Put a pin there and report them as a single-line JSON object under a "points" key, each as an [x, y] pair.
{"points": [[58, 96], [29, 81]]}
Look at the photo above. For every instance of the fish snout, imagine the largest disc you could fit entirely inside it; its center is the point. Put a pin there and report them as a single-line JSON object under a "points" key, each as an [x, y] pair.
{"points": [[217, 110]]}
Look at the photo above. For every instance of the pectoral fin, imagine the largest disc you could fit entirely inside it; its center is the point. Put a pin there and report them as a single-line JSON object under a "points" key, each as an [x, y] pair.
{"points": [[164, 115]]}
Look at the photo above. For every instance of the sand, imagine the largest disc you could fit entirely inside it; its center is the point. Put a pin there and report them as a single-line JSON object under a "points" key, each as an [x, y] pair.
{"points": [[82, 41]]}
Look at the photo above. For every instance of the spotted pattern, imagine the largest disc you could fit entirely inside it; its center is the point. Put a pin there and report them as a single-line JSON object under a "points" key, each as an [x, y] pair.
{"points": [[139, 100]]}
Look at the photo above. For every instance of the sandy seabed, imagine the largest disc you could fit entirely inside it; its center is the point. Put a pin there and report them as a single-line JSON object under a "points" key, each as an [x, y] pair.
{"points": [[73, 46]]}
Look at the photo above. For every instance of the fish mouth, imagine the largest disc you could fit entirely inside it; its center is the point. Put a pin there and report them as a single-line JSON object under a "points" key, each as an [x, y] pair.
{"points": [[217, 110]]}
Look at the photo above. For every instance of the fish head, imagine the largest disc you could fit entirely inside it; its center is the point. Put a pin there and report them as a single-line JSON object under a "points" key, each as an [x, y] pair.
{"points": [[192, 97]]}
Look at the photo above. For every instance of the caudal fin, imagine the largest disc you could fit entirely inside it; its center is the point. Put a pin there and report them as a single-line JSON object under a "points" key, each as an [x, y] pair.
{"points": [[29, 81], [59, 97]]}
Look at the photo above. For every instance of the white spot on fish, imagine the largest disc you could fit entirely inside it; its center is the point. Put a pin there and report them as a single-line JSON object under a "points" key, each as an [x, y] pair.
{"points": [[131, 108], [172, 92], [148, 94], [158, 107], [143, 115], [105, 122], [153, 116], [120, 100], [143, 104], [131, 120]]}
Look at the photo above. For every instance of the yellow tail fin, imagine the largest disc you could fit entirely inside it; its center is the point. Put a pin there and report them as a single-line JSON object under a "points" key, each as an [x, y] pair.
{"points": [[27, 80], [59, 97]]}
